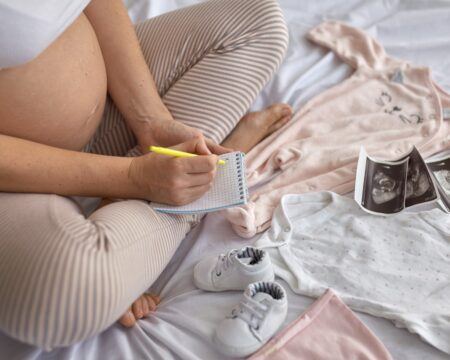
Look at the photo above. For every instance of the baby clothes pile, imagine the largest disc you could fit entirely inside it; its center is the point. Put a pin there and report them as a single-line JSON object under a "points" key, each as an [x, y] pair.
{"points": [[395, 267], [387, 105]]}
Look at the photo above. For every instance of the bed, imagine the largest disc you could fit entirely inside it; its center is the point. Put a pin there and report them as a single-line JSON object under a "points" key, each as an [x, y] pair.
{"points": [[182, 328]]}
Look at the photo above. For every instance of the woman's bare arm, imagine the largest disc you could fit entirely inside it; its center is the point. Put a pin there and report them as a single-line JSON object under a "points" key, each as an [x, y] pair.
{"points": [[26, 166], [130, 82], [29, 167]]}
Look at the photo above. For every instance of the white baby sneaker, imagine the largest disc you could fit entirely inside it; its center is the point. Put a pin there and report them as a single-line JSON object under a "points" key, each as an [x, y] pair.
{"points": [[234, 270], [253, 321]]}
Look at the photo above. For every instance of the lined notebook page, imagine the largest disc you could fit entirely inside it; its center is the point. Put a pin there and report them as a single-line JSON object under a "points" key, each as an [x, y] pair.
{"points": [[229, 189]]}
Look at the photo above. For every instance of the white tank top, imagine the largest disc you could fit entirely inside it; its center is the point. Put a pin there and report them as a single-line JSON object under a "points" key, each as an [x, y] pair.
{"points": [[28, 27]]}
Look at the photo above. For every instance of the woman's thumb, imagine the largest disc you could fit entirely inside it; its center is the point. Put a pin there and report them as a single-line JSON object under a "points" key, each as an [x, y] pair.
{"points": [[196, 145]]}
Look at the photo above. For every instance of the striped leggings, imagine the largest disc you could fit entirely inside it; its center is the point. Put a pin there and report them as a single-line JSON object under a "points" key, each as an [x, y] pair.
{"points": [[65, 277]]}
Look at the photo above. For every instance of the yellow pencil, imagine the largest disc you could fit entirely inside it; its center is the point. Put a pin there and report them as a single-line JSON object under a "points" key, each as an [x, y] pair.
{"points": [[176, 153]]}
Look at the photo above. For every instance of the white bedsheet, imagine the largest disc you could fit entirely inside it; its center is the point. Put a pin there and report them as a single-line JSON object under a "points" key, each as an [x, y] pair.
{"points": [[182, 327]]}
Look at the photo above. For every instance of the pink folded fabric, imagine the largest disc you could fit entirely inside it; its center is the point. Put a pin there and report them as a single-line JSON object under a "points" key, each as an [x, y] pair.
{"points": [[327, 330]]}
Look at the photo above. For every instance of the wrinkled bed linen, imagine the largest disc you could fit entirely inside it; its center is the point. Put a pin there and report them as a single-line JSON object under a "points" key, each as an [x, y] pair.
{"points": [[415, 30]]}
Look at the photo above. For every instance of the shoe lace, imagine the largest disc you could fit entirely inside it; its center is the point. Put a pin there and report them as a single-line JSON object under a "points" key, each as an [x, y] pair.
{"points": [[252, 312], [224, 261]]}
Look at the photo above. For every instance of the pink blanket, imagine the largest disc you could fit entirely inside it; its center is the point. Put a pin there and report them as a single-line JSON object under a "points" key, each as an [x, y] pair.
{"points": [[327, 330]]}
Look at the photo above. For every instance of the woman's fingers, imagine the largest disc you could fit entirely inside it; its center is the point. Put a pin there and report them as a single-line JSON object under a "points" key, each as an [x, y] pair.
{"points": [[173, 180], [200, 179], [192, 178], [196, 145], [189, 195], [196, 192], [202, 147], [198, 164], [217, 149]]}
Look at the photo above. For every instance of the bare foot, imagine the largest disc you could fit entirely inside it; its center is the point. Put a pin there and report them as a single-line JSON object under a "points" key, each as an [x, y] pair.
{"points": [[255, 126], [139, 309]]}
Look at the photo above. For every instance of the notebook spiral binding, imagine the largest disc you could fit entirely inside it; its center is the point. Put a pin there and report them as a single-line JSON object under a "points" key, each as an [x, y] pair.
{"points": [[243, 192]]}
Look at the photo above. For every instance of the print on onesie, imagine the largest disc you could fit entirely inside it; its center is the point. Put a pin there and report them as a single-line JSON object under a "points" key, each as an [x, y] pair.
{"points": [[389, 106], [441, 172], [388, 187]]}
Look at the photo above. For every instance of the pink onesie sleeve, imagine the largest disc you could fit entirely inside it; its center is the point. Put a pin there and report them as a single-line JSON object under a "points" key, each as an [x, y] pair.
{"points": [[352, 45]]}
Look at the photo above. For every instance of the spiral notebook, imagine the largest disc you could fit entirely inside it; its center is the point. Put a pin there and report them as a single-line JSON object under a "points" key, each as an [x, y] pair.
{"points": [[229, 189]]}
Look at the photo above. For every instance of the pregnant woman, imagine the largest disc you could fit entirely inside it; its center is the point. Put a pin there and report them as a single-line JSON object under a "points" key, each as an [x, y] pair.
{"points": [[184, 79]]}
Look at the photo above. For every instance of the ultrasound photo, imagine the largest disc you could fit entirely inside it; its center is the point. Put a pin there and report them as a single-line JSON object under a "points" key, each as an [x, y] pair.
{"points": [[388, 187], [441, 172], [384, 187], [419, 184]]}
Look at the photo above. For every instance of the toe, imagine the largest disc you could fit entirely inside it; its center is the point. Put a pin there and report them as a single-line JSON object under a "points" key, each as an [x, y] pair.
{"points": [[155, 298], [280, 110], [137, 308], [279, 124], [151, 302], [145, 306], [128, 320]]}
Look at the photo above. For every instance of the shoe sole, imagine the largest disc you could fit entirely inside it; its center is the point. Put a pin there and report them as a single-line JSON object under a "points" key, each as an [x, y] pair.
{"points": [[202, 286], [237, 352]]}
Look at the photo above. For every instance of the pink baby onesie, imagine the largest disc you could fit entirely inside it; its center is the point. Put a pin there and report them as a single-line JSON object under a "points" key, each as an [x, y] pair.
{"points": [[387, 105], [327, 330]]}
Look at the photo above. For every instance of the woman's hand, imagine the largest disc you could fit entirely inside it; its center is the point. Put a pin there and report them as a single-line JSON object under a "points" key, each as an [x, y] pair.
{"points": [[171, 180], [168, 132]]}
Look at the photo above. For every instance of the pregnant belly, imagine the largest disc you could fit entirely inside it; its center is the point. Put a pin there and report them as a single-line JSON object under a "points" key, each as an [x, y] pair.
{"points": [[58, 98]]}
